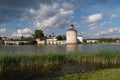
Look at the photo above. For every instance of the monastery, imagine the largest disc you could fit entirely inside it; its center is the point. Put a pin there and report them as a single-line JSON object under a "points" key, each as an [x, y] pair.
{"points": [[71, 38]]}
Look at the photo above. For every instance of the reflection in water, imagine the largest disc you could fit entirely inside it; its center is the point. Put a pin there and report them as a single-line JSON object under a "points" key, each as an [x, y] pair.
{"points": [[71, 48]]}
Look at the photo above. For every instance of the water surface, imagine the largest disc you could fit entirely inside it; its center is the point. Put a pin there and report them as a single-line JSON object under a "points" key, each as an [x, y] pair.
{"points": [[58, 48]]}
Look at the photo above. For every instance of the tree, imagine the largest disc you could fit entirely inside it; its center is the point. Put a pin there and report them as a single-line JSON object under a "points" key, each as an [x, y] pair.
{"points": [[22, 38], [0, 38], [31, 41], [61, 37], [39, 34]]}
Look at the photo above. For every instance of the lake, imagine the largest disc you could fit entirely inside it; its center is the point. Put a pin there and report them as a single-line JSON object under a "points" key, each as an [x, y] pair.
{"points": [[58, 48]]}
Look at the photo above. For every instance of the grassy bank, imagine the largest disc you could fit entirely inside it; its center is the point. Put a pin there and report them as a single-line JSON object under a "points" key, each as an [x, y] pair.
{"points": [[107, 74]]}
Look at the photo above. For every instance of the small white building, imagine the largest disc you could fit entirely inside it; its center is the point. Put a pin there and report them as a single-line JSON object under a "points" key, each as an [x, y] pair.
{"points": [[92, 41], [52, 38], [50, 41], [80, 38]]}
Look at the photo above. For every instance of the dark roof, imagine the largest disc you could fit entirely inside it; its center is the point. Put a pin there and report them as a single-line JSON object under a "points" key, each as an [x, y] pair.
{"points": [[72, 28]]}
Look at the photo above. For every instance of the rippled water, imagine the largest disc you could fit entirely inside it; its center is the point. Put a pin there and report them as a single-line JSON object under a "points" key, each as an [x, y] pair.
{"points": [[58, 48]]}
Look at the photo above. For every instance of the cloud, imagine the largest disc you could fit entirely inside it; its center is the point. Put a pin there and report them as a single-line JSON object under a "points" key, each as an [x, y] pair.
{"points": [[111, 32], [19, 9], [55, 15], [102, 31], [50, 15], [15, 9], [44, 14], [94, 27], [23, 3], [114, 16], [27, 32], [24, 9], [2, 30], [104, 23], [94, 17], [44, 11], [28, 9]]}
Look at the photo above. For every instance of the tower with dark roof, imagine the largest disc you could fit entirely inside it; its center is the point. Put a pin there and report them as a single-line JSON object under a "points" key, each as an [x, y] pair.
{"points": [[71, 35]]}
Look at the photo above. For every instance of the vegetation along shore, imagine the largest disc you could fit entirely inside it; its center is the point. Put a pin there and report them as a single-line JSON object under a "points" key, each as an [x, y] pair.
{"points": [[58, 64]]}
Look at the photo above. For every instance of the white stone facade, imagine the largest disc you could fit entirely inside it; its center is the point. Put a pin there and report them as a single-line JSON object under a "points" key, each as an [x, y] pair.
{"points": [[50, 42], [80, 39], [92, 41]]}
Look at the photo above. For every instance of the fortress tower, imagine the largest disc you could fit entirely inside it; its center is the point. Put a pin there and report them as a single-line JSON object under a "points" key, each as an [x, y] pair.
{"points": [[71, 35]]}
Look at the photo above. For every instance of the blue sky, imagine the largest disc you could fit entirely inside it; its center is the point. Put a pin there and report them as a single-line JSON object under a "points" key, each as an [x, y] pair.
{"points": [[92, 18]]}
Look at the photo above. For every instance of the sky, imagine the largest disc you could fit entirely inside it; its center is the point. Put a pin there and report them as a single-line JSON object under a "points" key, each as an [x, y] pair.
{"points": [[91, 18]]}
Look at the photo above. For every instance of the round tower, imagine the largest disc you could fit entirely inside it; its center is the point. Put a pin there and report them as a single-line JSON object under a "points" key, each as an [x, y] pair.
{"points": [[71, 35]]}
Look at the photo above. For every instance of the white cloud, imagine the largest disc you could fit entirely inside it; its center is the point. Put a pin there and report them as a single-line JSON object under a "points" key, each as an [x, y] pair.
{"points": [[104, 23], [2, 30], [114, 16], [49, 16], [100, 33], [44, 11], [22, 32], [67, 6], [53, 16], [93, 24], [94, 17], [94, 27], [111, 32], [15, 34], [54, 21]]}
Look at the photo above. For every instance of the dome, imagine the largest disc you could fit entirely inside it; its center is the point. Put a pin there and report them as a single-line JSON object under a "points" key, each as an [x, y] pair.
{"points": [[71, 28]]}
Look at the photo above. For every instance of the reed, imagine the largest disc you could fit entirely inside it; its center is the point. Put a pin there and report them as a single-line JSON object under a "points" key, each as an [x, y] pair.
{"points": [[56, 60]]}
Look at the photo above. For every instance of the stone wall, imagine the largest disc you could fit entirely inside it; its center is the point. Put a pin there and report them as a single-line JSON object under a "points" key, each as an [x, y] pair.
{"points": [[50, 42], [14, 42], [55, 42]]}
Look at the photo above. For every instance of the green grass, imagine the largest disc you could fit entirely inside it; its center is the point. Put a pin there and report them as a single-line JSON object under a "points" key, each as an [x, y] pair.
{"points": [[107, 74]]}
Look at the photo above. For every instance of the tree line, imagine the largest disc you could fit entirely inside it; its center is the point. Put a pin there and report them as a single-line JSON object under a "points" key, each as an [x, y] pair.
{"points": [[39, 34]]}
